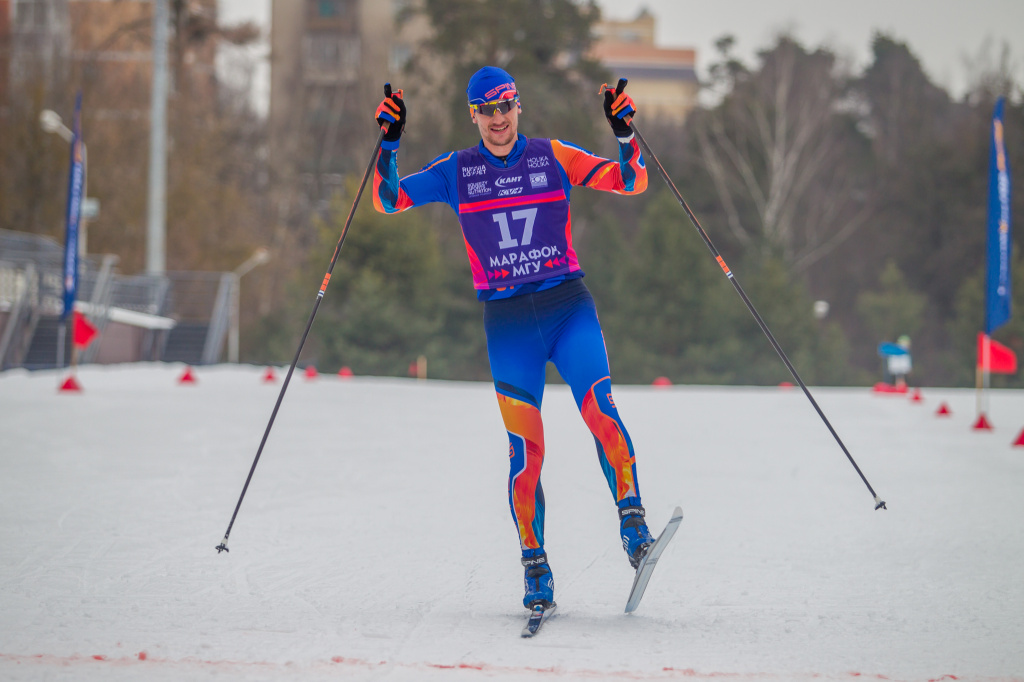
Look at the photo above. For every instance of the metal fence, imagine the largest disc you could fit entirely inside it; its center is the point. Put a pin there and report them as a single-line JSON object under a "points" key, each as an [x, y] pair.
{"points": [[177, 317]]}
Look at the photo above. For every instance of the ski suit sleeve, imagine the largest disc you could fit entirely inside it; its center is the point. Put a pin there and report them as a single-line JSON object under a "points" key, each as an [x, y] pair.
{"points": [[435, 182], [584, 169]]}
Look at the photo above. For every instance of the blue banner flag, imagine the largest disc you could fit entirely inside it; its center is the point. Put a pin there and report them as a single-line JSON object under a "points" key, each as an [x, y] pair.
{"points": [[76, 177], [997, 292]]}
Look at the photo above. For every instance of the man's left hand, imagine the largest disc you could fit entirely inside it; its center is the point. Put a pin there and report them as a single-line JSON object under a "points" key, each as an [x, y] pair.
{"points": [[618, 109]]}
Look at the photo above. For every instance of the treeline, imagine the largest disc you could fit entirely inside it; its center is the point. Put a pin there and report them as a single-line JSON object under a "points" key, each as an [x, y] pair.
{"points": [[864, 190]]}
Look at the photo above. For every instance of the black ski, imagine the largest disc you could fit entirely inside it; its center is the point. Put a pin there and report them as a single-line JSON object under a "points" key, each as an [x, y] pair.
{"points": [[538, 616], [650, 560]]}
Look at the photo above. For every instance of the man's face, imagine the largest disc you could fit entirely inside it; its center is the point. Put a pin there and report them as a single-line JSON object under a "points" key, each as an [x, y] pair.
{"points": [[498, 131]]}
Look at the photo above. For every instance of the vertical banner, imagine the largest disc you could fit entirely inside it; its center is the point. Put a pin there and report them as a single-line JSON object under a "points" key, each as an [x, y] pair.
{"points": [[997, 291], [74, 213]]}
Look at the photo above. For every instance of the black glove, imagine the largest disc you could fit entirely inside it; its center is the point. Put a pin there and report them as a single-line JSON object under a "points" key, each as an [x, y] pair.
{"points": [[391, 113], [618, 106]]}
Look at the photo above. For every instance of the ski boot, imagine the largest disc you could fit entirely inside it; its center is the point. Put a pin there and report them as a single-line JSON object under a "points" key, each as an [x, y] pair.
{"points": [[636, 539], [540, 586]]}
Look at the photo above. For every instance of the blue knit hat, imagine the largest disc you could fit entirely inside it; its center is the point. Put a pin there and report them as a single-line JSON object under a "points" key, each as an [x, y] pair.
{"points": [[490, 84]]}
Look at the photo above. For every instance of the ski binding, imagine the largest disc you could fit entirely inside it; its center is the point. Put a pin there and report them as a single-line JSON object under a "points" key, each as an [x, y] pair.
{"points": [[650, 560], [538, 616]]}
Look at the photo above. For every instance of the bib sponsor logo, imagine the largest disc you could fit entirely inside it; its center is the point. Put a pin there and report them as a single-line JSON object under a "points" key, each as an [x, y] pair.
{"points": [[510, 192], [477, 188], [538, 180], [505, 182], [470, 171], [535, 162]]}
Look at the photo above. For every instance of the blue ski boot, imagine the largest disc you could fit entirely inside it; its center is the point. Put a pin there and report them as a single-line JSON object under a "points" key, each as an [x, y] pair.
{"points": [[540, 586], [636, 539]]}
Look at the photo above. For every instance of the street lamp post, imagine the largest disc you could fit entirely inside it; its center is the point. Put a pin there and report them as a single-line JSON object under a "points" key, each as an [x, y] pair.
{"points": [[258, 258]]}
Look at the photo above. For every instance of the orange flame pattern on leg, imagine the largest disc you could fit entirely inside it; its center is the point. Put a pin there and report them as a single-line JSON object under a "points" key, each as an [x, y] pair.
{"points": [[616, 449], [523, 420]]}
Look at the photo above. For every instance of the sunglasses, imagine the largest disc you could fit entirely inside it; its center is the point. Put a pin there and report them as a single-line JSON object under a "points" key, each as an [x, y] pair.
{"points": [[501, 106]]}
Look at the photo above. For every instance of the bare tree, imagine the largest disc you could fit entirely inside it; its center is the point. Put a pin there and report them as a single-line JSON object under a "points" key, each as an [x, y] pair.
{"points": [[778, 149]]}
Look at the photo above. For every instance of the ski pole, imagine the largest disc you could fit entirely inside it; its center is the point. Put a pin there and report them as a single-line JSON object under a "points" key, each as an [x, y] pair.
{"points": [[879, 504], [223, 546]]}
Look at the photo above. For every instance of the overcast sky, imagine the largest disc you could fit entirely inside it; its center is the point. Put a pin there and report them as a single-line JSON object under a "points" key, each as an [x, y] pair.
{"points": [[942, 33]]}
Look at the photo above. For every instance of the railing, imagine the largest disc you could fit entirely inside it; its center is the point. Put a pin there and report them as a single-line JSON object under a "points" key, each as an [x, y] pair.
{"points": [[181, 316]]}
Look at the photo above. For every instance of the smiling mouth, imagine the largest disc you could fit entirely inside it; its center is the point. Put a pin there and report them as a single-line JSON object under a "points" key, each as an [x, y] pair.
{"points": [[500, 129]]}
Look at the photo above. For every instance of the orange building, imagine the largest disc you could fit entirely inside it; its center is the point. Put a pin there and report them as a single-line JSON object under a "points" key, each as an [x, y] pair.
{"points": [[663, 80]]}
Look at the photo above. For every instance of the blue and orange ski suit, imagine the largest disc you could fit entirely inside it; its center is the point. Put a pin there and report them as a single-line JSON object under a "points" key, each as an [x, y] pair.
{"points": [[535, 316]]}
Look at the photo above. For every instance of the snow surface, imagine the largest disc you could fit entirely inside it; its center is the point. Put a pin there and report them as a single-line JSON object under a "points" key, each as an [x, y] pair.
{"points": [[375, 542]]}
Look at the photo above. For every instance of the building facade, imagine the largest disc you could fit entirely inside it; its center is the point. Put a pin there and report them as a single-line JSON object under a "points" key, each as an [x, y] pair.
{"points": [[329, 61], [662, 81]]}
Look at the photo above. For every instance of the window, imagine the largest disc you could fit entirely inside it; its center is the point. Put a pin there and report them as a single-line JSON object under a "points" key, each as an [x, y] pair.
{"points": [[329, 9]]}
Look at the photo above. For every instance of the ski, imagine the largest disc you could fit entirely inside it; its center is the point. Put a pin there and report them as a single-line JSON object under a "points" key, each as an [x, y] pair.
{"points": [[538, 616], [650, 560]]}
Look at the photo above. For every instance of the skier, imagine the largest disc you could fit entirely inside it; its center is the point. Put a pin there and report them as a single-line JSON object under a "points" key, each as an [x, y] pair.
{"points": [[511, 195]]}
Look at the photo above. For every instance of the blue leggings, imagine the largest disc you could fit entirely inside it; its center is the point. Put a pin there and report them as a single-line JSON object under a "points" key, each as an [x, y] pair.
{"points": [[559, 325]]}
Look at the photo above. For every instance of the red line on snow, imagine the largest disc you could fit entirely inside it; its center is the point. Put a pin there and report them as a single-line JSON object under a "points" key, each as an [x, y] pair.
{"points": [[143, 658]]}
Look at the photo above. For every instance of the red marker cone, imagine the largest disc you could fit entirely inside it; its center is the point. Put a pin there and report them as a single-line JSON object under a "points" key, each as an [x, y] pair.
{"points": [[915, 397], [188, 377], [661, 382], [1020, 440], [70, 385], [786, 384], [345, 373], [982, 424], [311, 372], [269, 376], [943, 411]]}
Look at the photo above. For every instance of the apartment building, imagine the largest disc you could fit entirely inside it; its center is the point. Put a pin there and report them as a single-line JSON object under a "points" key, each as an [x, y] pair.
{"points": [[664, 80]]}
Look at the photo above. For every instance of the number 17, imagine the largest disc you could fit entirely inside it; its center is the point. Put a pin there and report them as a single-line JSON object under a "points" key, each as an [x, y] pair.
{"points": [[507, 242]]}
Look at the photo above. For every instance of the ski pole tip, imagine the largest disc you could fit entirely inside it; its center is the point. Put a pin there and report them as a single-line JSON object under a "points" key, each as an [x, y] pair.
{"points": [[880, 504], [222, 547]]}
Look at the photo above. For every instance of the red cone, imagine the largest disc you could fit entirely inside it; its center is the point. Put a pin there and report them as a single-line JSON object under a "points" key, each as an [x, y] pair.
{"points": [[882, 387], [188, 377], [943, 411], [661, 381], [982, 424], [70, 385], [311, 372], [915, 397], [345, 372], [269, 377], [1020, 440], [786, 384]]}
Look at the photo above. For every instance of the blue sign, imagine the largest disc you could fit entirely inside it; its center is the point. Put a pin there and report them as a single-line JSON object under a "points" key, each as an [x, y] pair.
{"points": [[891, 349], [997, 291], [76, 178]]}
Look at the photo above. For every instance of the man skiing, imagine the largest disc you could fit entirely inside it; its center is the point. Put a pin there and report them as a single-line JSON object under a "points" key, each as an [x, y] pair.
{"points": [[511, 195]]}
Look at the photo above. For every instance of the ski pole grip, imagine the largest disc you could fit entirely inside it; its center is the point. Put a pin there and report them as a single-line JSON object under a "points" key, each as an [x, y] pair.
{"points": [[619, 87], [387, 95]]}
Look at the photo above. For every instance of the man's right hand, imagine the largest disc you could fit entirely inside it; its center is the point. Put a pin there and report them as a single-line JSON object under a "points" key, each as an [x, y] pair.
{"points": [[391, 113]]}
